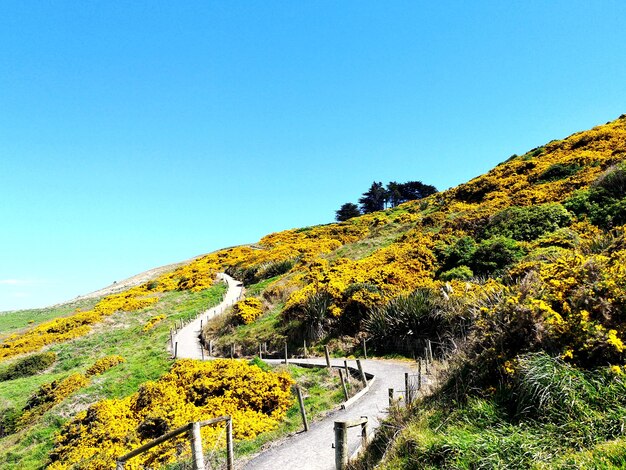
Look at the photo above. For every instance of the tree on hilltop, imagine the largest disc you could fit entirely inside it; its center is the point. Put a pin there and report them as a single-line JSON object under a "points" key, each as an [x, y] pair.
{"points": [[374, 199], [347, 211]]}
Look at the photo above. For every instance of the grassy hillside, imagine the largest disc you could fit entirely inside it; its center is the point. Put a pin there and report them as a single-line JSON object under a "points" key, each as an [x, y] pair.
{"points": [[518, 275]]}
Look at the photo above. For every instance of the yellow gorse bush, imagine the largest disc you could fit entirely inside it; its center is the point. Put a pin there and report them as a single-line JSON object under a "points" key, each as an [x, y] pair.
{"points": [[50, 394], [104, 364], [152, 322], [191, 391], [248, 310]]}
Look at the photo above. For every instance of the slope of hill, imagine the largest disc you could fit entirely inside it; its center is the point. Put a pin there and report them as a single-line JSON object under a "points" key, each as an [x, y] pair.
{"points": [[518, 275]]}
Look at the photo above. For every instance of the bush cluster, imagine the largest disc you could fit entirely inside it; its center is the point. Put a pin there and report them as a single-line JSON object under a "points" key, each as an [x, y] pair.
{"points": [[192, 391], [152, 322], [604, 203], [27, 366], [248, 310], [103, 364]]}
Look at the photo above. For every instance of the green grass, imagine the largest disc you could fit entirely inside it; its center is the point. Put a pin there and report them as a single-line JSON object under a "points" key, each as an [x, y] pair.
{"points": [[553, 416], [17, 320], [255, 290], [146, 359]]}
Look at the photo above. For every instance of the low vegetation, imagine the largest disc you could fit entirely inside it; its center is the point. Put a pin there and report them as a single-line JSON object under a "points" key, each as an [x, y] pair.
{"points": [[517, 276]]}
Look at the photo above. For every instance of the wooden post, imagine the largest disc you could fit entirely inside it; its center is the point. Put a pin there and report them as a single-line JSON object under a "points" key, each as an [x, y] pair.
{"points": [[305, 354], [341, 445], [175, 349], [407, 388], [345, 366], [302, 410], [201, 324], [171, 338], [390, 396], [430, 351], [364, 432], [419, 374], [196, 446], [364, 349], [229, 445], [260, 352], [232, 350], [285, 352], [202, 351], [426, 360], [211, 347], [363, 377], [343, 384], [327, 356]]}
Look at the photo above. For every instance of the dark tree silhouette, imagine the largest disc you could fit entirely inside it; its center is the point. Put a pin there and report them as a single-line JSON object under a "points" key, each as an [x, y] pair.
{"points": [[347, 211], [412, 190], [374, 199]]}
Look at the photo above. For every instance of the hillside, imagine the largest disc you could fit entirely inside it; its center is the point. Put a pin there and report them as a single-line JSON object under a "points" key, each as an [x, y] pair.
{"points": [[517, 275]]}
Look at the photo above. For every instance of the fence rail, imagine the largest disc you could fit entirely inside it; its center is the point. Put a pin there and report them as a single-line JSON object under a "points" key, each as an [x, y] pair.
{"points": [[193, 429]]}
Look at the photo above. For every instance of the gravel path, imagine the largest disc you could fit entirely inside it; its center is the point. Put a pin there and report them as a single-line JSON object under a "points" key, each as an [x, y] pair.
{"points": [[188, 337], [313, 450]]}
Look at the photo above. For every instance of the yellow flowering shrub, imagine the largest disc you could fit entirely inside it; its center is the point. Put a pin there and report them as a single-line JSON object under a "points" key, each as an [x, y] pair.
{"points": [[48, 395], [103, 364], [152, 322], [191, 391], [248, 310]]}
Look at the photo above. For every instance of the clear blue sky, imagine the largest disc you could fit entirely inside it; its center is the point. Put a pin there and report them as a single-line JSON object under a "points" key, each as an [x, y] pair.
{"points": [[136, 134]]}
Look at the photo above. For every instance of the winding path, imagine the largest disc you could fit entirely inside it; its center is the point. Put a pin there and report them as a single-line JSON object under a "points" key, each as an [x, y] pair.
{"points": [[312, 450], [188, 337]]}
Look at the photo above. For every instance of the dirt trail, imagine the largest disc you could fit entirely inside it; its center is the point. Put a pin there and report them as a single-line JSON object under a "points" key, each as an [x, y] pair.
{"points": [[313, 450], [188, 337]]}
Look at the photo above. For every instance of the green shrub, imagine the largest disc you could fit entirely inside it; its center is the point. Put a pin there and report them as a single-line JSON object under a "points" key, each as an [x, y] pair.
{"points": [[459, 253], [28, 366], [253, 274], [495, 254], [613, 181], [528, 223], [462, 272], [404, 322], [8, 421], [558, 171]]}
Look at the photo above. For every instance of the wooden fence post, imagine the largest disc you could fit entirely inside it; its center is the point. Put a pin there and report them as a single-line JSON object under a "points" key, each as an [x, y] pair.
{"points": [[363, 377], [211, 347], [407, 388], [285, 352], [364, 432], [327, 356], [345, 366], [305, 354], [196, 446], [229, 445], [341, 445], [260, 352], [364, 349], [343, 384], [175, 349], [430, 351], [390, 396], [302, 409], [419, 374]]}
